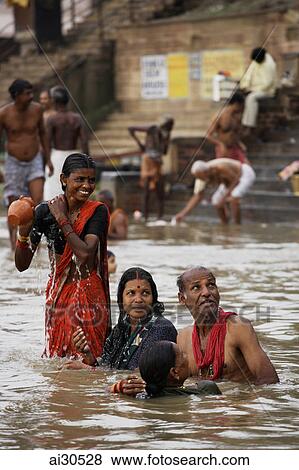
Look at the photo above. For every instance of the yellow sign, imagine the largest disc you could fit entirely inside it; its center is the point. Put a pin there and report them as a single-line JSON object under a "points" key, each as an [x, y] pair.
{"points": [[214, 61], [20, 3], [178, 75]]}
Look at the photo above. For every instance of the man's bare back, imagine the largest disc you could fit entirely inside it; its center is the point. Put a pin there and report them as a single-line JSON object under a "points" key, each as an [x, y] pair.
{"points": [[228, 127], [224, 170], [65, 128], [23, 128]]}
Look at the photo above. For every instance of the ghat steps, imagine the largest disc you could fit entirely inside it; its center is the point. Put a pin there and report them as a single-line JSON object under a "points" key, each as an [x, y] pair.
{"points": [[82, 40]]}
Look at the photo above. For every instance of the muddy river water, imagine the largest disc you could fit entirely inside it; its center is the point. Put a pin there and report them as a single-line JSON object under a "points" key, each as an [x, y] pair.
{"points": [[257, 268]]}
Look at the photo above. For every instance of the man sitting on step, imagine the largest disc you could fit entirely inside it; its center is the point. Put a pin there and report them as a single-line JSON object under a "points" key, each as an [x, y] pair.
{"points": [[233, 179]]}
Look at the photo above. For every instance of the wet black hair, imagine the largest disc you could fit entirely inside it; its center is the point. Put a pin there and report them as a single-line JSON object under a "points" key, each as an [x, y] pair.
{"points": [[74, 162], [167, 123], [45, 90], [114, 346], [180, 279], [237, 97], [59, 95], [106, 194], [18, 86], [110, 254], [258, 54], [155, 364], [138, 273]]}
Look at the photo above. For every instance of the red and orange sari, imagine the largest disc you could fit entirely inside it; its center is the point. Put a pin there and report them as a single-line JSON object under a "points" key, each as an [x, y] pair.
{"points": [[83, 303]]}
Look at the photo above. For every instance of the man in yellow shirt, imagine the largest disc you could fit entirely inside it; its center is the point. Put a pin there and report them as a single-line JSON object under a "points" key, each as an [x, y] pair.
{"points": [[258, 82]]}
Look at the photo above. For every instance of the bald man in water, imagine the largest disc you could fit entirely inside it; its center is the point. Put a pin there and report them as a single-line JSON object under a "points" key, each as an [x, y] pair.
{"points": [[233, 180], [220, 345]]}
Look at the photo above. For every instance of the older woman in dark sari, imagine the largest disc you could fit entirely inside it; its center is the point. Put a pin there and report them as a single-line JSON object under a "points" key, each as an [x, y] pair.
{"points": [[140, 324]]}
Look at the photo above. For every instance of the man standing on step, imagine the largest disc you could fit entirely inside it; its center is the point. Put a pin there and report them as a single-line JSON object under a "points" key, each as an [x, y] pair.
{"points": [[225, 130], [22, 121], [65, 129], [155, 145], [233, 180]]}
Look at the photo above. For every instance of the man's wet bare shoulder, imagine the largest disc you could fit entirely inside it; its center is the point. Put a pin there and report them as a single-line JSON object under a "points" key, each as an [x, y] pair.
{"points": [[5, 111], [34, 109], [244, 357], [184, 341]]}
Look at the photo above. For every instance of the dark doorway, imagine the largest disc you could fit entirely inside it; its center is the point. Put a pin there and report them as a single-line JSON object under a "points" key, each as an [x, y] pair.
{"points": [[47, 21]]}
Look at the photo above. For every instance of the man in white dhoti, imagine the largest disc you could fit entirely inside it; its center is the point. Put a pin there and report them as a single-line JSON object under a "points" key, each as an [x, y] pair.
{"points": [[65, 129]]}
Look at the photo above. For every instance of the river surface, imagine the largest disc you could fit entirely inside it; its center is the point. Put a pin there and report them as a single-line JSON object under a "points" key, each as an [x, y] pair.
{"points": [[257, 267]]}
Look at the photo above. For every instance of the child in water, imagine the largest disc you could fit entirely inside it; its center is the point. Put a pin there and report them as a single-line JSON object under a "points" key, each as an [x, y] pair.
{"points": [[112, 266]]}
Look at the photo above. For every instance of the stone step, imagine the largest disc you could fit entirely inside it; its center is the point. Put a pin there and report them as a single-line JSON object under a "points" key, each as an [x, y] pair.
{"points": [[97, 152], [272, 184], [268, 199], [253, 213], [279, 161], [272, 199], [277, 148], [267, 171], [112, 142], [118, 124], [123, 134]]}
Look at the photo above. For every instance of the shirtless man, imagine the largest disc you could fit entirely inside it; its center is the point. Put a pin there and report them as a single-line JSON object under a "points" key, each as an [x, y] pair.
{"points": [[22, 121], [219, 344], [118, 227], [46, 103], [226, 128], [155, 145], [233, 179], [65, 129]]}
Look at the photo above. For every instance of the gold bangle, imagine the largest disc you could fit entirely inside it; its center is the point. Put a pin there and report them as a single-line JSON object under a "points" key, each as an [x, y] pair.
{"points": [[23, 239]]}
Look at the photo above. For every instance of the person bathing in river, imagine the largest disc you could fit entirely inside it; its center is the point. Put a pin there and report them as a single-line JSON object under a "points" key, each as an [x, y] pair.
{"points": [[225, 130], [77, 293], [163, 369], [112, 266], [233, 179], [219, 345], [119, 221], [140, 324]]}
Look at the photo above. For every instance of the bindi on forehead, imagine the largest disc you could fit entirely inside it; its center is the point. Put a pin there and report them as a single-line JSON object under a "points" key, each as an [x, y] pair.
{"points": [[138, 284]]}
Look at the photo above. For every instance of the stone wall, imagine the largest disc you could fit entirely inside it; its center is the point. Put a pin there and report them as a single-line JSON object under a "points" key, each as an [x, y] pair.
{"points": [[119, 13], [179, 36]]}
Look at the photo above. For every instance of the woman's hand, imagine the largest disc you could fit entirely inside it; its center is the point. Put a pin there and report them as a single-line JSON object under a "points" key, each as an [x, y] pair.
{"points": [[58, 207], [75, 365], [81, 345], [80, 341], [129, 386]]}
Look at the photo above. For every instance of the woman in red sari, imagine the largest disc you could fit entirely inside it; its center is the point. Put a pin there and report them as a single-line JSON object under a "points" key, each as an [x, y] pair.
{"points": [[77, 293]]}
